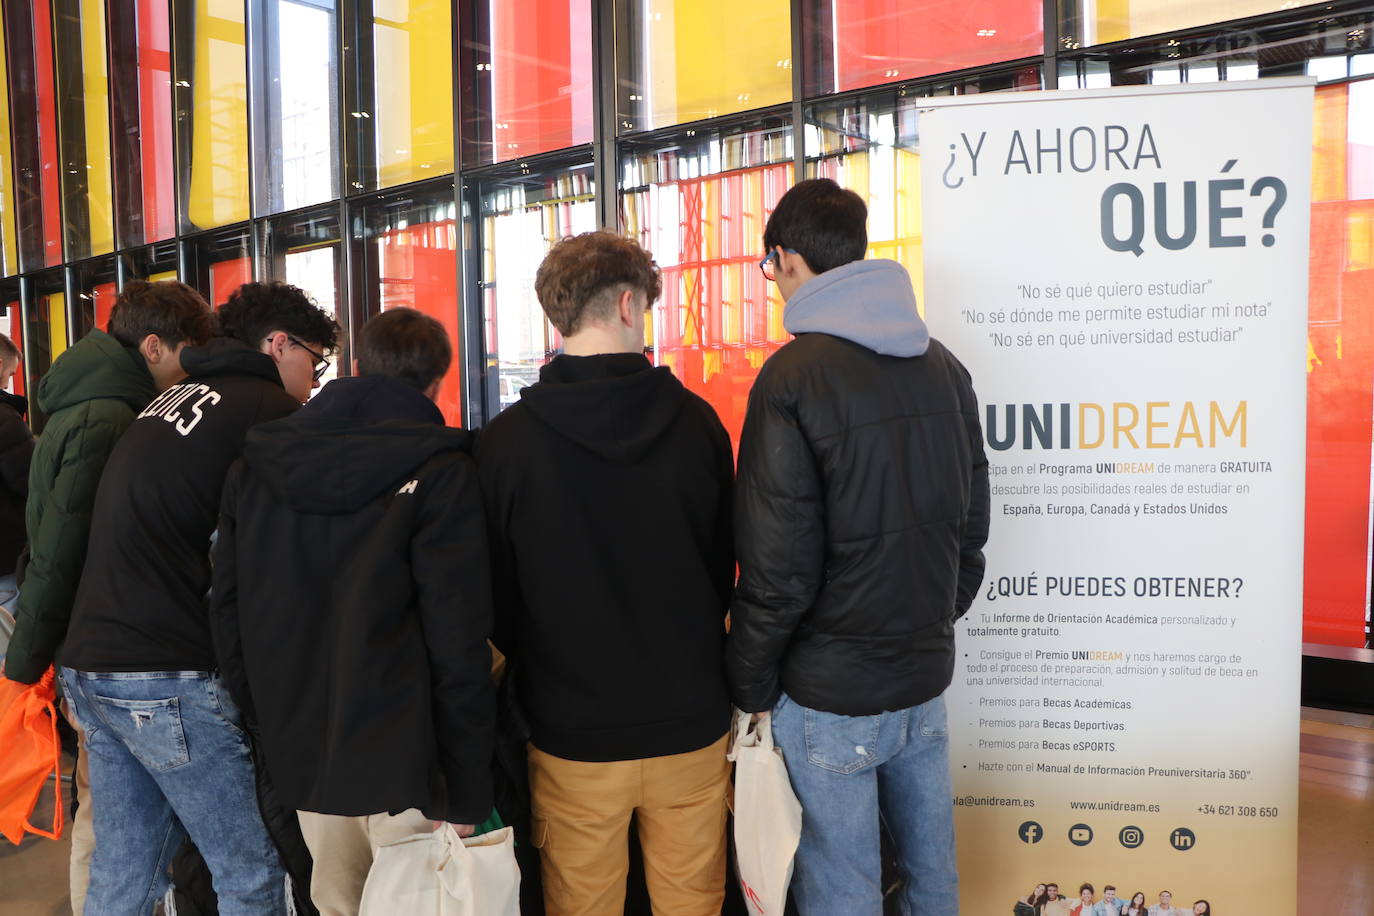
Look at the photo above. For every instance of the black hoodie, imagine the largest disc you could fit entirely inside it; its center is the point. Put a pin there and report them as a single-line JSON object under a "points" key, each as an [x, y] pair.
{"points": [[141, 604], [16, 453], [607, 489], [352, 605]]}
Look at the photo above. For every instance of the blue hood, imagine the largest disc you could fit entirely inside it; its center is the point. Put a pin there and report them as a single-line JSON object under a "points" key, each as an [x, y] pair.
{"points": [[869, 302]]}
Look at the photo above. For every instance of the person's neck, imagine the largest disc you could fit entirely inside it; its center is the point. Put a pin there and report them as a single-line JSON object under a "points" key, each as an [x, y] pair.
{"points": [[599, 341]]}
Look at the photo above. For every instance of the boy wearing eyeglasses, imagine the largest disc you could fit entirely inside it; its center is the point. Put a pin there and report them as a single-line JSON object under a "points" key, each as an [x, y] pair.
{"points": [[168, 754]]}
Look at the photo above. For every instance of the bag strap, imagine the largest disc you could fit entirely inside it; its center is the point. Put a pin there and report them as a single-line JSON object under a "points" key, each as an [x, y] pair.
{"points": [[45, 687]]}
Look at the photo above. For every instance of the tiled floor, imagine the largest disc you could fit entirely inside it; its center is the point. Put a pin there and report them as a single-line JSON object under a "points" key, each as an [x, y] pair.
{"points": [[1335, 833]]}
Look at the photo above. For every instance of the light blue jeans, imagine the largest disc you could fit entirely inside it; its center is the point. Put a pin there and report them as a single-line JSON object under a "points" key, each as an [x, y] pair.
{"points": [[853, 773], [167, 757]]}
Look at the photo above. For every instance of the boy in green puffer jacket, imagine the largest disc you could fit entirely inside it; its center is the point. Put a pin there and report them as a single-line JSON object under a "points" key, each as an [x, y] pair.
{"points": [[92, 393]]}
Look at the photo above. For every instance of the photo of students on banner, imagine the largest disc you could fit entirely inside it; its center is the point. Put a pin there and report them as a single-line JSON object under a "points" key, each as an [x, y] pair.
{"points": [[1046, 900]]}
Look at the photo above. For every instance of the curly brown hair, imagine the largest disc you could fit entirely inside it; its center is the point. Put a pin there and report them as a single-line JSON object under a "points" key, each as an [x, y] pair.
{"points": [[584, 275]]}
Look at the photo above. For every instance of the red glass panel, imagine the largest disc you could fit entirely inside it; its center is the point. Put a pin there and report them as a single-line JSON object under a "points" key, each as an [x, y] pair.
{"points": [[227, 276], [879, 41], [155, 120], [47, 133], [102, 301], [419, 270], [541, 76], [16, 334], [718, 318], [1340, 364]]}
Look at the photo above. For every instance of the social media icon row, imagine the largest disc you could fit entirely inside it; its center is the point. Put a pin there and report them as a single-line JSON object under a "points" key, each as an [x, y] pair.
{"points": [[1131, 837]]}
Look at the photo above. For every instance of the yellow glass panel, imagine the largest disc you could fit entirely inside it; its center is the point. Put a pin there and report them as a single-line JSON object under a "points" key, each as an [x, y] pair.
{"points": [[164, 275], [712, 57], [96, 108], [412, 43], [57, 324], [1116, 20], [9, 256], [219, 134]]}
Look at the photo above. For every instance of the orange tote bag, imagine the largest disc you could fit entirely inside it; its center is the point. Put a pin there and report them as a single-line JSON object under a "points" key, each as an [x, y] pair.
{"points": [[30, 752]]}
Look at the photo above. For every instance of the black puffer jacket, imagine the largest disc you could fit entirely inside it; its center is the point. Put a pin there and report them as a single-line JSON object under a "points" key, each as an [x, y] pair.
{"points": [[16, 453], [861, 504]]}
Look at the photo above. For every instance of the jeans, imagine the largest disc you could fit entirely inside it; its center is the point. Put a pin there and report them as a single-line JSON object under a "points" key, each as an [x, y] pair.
{"points": [[851, 771], [9, 606], [167, 757]]}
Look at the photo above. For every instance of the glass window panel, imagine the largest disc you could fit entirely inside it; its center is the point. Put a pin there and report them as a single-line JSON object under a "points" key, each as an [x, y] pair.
{"points": [[407, 252], [695, 59], [527, 71], [303, 250], [521, 219], [33, 133], [9, 251], [219, 263], [212, 110], [12, 326], [699, 201], [153, 262], [295, 104], [95, 282], [84, 117], [411, 119], [853, 44], [1092, 22], [141, 92], [1340, 331]]}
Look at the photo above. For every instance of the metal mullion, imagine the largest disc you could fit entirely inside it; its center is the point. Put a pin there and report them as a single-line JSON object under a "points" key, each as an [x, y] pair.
{"points": [[1049, 72], [180, 183], [469, 360], [345, 38], [604, 80], [798, 92], [250, 55]]}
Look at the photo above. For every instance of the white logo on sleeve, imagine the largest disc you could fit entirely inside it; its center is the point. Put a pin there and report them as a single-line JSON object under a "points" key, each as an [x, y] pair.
{"points": [[408, 488]]}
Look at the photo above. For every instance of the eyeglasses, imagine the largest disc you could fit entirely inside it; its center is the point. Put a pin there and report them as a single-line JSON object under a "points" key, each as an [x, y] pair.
{"points": [[769, 264], [321, 364]]}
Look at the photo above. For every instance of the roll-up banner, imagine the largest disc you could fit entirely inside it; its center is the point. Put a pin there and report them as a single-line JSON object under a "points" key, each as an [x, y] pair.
{"points": [[1124, 273]]}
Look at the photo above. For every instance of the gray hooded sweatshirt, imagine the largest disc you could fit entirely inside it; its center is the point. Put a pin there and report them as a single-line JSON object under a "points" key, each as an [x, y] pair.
{"points": [[871, 303]]}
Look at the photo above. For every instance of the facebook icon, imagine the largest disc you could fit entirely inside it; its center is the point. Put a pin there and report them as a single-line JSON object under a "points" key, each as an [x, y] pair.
{"points": [[1030, 833]]}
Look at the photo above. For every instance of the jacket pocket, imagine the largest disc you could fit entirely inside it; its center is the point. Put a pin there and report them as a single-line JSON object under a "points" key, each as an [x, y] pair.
{"points": [[840, 744], [150, 729]]}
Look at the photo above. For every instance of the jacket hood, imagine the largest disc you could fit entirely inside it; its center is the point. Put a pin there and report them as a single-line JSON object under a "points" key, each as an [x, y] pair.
{"points": [[228, 356], [16, 402], [97, 366], [869, 302], [616, 405], [358, 439]]}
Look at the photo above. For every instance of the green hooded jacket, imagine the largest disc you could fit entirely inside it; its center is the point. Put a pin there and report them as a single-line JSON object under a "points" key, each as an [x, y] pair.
{"points": [[91, 394]]}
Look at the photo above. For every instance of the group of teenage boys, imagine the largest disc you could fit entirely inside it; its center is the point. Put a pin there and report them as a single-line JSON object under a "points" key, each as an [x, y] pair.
{"points": [[274, 623]]}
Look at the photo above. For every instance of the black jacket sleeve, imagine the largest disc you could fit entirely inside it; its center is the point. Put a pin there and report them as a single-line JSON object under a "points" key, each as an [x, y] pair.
{"points": [[780, 540], [224, 608], [452, 577], [972, 564], [16, 452], [497, 500], [724, 565]]}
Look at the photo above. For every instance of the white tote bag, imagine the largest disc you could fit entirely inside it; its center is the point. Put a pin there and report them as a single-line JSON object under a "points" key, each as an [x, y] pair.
{"points": [[442, 874], [768, 818]]}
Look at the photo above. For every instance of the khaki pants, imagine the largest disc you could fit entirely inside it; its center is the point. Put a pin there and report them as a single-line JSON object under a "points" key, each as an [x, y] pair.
{"points": [[582, 813], [342, 848], [83, 825]]}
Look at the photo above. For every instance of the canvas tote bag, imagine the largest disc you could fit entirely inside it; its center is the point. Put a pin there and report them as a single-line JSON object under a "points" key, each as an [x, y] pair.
{"points": [[442, 874], [768, 818]]}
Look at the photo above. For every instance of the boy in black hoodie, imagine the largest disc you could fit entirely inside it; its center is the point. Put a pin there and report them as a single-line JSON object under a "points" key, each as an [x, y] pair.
{"points": [[361, 514], [167, 754], [607, 488]]}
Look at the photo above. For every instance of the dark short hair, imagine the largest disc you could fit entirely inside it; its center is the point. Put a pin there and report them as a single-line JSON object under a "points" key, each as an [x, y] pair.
{"points": [[406, 345], [8, 350], [171, 310], [255, 310], [1086, 887], [585, 274], [1106, 887], [823, 222]]}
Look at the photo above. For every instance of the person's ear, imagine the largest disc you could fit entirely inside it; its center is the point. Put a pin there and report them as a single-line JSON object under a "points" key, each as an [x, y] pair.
{"points": [[626, 307], [274, 345], [152, 349]]}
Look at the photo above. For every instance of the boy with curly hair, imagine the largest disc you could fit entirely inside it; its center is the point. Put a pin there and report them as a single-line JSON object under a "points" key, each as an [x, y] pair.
{"points": [[168, 755]]}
